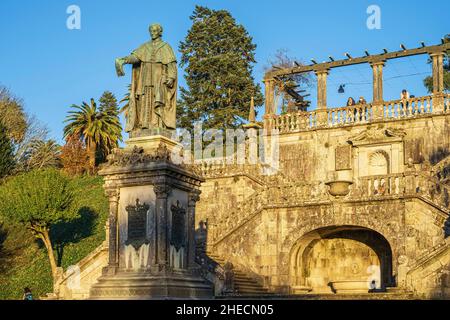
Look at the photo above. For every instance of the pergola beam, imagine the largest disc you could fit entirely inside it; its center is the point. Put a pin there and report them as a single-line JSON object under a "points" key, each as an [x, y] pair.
{"points": [[366, 59]]}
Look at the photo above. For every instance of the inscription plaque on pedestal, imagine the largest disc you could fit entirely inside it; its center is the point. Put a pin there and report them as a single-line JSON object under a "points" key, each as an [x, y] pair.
{"points": [[137, 224], [178, 225]]}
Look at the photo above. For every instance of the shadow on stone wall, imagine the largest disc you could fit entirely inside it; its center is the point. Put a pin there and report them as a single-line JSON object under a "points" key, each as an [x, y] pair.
{"points": [[438, 155], [447, 227], [65, 233]]}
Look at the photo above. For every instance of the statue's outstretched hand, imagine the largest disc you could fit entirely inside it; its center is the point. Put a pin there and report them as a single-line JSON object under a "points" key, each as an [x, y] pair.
{"points": [[119, 67]]}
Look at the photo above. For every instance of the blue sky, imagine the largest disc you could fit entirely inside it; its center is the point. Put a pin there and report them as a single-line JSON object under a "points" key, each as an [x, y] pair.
{"points": [[52, 67]]}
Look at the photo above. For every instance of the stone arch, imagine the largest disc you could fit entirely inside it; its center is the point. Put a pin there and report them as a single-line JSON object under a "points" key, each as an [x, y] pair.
{"points": [[388, 232], [379, 163], [359, 238]]}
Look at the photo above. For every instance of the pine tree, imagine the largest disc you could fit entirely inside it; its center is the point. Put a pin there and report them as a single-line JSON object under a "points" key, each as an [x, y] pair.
{"points": [[6, 153], [108, 103], [218, 57]]}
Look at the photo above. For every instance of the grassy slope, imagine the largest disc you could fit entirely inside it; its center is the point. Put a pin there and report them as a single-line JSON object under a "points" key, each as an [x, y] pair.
{"points": [[24, 261]]}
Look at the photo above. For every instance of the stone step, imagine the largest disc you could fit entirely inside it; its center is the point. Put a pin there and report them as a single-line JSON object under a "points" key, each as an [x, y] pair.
{"points": [[250, 289], [244, 284], [246, 281]]}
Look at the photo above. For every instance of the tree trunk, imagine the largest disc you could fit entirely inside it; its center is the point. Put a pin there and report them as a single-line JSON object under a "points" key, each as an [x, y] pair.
{"points": [[91, 153], [51, 256]]}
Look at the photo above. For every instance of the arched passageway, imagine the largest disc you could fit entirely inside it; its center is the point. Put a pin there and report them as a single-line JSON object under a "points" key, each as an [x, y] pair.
{"points": [[341, 258]]}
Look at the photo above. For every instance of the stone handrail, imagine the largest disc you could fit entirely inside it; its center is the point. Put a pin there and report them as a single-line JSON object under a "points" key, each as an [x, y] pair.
{"points": [[271, 196], [407, 107], [405, 184], [350, 114], [399, 185], [389, 110]]}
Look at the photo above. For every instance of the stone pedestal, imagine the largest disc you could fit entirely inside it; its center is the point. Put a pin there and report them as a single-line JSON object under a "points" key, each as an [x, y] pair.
{"points": [[151, 225]]}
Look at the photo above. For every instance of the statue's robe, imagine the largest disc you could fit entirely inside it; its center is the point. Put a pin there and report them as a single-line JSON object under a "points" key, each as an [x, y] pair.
{"points": [[152, 102]]}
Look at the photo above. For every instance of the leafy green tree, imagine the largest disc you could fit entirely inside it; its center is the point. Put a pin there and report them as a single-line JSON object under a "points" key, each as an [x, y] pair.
{"points": [[218, 56], [6, 153], [97, 128], [39, 199], [428, 81], [12, 115]]}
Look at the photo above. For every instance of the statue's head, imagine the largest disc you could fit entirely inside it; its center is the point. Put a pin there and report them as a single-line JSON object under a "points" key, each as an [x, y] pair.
{"points": [[155, 30]]}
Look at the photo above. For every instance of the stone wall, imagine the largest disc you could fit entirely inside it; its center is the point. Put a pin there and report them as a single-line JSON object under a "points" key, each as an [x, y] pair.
{"points": [[259, 225], [76, 282]]}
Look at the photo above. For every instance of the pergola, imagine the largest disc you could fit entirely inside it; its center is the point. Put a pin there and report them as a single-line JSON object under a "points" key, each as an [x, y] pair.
{"points": [[377, 63]]}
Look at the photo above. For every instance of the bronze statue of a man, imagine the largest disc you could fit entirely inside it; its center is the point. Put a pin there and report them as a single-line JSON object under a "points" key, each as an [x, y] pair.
{"points": [[152, 103]]}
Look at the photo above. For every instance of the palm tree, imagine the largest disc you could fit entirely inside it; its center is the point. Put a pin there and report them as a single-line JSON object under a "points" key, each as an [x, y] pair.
{"points": [[44, 154], [126, 99], [95, 127]]}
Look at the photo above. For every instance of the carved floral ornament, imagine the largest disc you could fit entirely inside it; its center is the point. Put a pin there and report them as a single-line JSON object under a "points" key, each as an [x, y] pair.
{"points": [[137, 155]]}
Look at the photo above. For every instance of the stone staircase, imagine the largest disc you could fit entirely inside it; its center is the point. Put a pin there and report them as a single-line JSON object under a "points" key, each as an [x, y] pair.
{"points": [[244, 284]]}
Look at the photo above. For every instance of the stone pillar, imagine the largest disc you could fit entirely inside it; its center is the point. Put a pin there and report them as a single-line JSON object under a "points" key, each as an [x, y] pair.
{"points": [[377, 100], [113, 232], [162, 192], [377, 68], [438, 72], [190, 228], [322, 115], [437, 59], [270, 96], [322, 88]]}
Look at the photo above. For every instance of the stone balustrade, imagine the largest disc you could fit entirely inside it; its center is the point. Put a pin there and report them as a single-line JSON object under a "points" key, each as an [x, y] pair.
{"points": [[402, 185], [389, 110], [349, 115], [407, 108], [409, 184]]}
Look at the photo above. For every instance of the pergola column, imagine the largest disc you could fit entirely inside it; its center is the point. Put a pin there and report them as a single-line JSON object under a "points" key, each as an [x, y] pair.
{"points": [[322, 116], [437, 59], [269, 115], [377, 68], [438, 72], [377, 100], [322, 88], [270, 96]]}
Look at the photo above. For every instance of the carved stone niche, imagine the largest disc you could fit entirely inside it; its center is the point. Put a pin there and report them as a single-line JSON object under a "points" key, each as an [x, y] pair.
{"points": [[378, 151], [151, 228]]}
